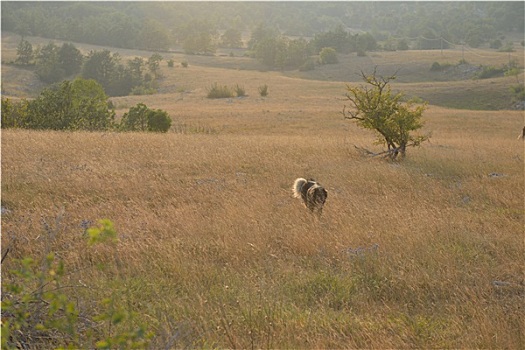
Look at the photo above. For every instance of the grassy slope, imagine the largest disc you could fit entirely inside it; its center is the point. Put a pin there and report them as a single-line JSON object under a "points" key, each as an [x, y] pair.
{"points": [[213, 248], [454, 89]]}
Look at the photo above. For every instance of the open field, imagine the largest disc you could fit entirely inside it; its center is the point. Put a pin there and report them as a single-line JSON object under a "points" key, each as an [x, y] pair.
{"points": [[214, 252], [213, 248]]}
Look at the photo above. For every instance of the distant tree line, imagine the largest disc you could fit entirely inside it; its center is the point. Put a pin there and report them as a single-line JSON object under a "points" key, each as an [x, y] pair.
{"points": [[80, 104], [53, 63], [276, 50], [158, 25]]}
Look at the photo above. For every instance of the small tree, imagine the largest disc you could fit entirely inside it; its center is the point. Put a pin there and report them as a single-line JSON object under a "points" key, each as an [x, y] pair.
{"points": [[24, 52], [158, 121], [154, 64], [328, 55], [77, 105], [136, 119], [70, 58], [14, 114], [142, 118], [378, 109], [232, 38]]}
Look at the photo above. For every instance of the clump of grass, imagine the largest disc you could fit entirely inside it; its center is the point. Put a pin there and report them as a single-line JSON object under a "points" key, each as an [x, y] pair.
{"points": [[263, 90], [240, 91], [219, 91]]}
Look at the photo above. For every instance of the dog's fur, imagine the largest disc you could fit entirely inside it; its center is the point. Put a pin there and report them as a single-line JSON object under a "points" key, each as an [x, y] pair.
{"points": [[313, 195]]}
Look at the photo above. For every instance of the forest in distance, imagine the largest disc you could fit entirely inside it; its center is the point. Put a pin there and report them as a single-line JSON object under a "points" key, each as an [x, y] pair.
{"points": [[161, 25]]}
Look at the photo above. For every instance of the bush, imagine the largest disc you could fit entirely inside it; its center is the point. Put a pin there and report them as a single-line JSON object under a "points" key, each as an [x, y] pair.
{"points": [[328, 55], [518, 92], [402, 45], [490, 72], [38, 312], [263, 90], [437, 67], [219, 91], [142, 118], [171, 63], [158, 121], [14, 114], [240, 91], [184, 64], [77, 105]]}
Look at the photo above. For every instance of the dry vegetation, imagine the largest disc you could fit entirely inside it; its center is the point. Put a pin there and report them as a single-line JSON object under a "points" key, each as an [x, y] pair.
{"points": [[215, 252]]}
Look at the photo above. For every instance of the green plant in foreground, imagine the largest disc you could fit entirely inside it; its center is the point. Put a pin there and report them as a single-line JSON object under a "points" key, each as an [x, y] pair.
{"points": [[36, 311]]}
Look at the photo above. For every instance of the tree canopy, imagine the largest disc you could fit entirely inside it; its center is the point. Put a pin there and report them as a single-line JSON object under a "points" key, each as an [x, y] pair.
{"points": [[157, 25], [377, 108]]}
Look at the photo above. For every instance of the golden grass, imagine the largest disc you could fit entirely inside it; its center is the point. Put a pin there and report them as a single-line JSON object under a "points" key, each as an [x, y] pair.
{"points": [[214, 249], [215, 252]]}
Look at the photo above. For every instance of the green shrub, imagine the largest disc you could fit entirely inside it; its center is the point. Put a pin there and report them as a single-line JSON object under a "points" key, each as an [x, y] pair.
{"points": [[142, 118], [328, 55], [402, 45], [171, 63], [518, 91], [490, 72], [14, 114], [219, 91], [263, 90], [77, 105], [158, 121], [437, 67], [36, 307], [184, 64]]}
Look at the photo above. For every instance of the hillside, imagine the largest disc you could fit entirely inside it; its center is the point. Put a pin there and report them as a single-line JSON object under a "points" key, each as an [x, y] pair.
{"points": [[212, 251], [455, 88]]}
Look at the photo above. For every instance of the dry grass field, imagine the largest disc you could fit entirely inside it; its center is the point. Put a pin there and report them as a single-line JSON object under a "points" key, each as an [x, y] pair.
{"points": [[214, 252]]}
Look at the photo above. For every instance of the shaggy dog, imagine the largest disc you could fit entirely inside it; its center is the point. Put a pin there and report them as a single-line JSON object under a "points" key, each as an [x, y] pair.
{"points": [[312, 194]]}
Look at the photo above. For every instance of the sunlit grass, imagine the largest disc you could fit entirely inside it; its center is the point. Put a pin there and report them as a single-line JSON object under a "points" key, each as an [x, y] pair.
{"points": [[214, 249]]}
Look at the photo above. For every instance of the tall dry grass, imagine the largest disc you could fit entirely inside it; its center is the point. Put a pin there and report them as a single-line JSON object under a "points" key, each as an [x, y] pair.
{"points": [[215, 252]]}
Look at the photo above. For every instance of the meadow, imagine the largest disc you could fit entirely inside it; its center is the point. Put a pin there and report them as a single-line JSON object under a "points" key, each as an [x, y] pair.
{"points": [[213, 251]]}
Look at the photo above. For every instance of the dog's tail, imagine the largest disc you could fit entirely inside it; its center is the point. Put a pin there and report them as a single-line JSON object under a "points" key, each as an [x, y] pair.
{"points": [[297, 186]]}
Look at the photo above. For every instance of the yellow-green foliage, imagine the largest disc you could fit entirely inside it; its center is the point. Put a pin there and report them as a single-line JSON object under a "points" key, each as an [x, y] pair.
{"points": [[37, 312]]}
